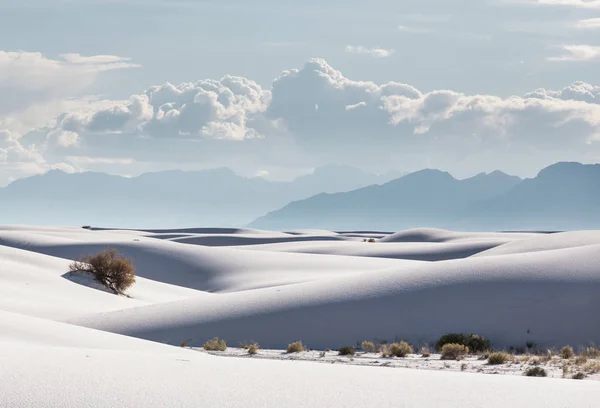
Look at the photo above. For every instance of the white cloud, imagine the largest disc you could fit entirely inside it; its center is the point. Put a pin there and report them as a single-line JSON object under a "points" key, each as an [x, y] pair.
{"points": [[590, 23], [593, 4], [373, 51], [414, 30], [578, 53], [235, 122]]}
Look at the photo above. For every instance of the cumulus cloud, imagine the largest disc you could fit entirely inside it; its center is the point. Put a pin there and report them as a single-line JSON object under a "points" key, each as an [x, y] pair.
{"points": [[578, 53], [235, 122], [373, 51]]}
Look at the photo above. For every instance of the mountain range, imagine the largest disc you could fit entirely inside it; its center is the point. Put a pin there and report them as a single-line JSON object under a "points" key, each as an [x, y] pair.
{"points": [[167, 199], [562, 196]]}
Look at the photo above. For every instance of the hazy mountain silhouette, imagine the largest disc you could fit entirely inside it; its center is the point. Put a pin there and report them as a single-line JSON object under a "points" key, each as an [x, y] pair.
{"points": [[167, 199], [424, 198]]}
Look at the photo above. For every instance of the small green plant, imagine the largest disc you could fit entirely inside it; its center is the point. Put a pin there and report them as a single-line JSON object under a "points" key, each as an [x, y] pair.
{"points": [[567, 352], [346, 351], [296, 347], [368, 346], [475, 343], [499, 358], [215, 345], [401, 349], [536, 372], [253, 348], [454, 351]]}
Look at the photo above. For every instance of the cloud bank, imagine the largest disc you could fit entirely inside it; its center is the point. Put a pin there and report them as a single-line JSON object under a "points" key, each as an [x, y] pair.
{"points": [[312, 116]]}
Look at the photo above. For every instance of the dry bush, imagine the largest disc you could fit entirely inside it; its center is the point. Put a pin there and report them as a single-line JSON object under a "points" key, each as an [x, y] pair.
{"points": [[592, 367], [384, 349], [109, 268], [535, 372], [499, 358], [591, 352], [425, 352], [347, 351], [368, 346], [454, 351], [253, 348], [580, 360], [215, 345], [578, 376], [401, 349], [295, 347], [474, 342], [567, 352]]}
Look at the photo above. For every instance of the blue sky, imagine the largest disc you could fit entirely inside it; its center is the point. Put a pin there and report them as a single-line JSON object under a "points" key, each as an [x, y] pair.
{"points": [[473, 66]]}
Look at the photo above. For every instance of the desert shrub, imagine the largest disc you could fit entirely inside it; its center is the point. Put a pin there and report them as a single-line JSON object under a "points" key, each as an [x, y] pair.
{"points": [[578, 376], [536, 372], [295, 347], [581, 360], [253, 348], [401, 349], [499, 358], [372, 240], [109, 268], [567, 352], [592, 367], [454, 351], [346, 351], [591, 352], [425, 352], [474, 342], [185, 343], [384, 349], [87, 227], [215, 345], [367, 346]]}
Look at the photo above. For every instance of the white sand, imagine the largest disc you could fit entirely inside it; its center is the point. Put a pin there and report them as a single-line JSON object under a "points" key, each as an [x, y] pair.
{"points": [[281, 287]]}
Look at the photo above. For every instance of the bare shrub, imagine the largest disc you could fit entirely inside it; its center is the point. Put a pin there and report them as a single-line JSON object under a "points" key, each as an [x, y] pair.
{"points": [[592, 367], [567, 352], [109, 268], [499, 358], [580, 360], [384, 349], [215, 345], [454, 351], [578, 376], [347, 351], [295, 347], [425, 352], [368, 346], [591, 352], [536, 372], [253, 348], [401, 349], [475, 343]]}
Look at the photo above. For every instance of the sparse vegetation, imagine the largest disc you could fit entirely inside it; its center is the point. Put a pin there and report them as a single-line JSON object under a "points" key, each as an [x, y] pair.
{"points": [[453, 351], [499, 358], [425, 352], [296, 347], [346, 351], [567, 352], [401, 349], [215, 345], [253, 348], [368, 346], [474, 342], [109, 268], [184, 343], [578, 376], [536, 372], [592, 367], [384, 349]]}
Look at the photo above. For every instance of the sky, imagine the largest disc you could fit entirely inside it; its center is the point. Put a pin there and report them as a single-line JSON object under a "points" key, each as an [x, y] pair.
{"points": [[276, 88]]}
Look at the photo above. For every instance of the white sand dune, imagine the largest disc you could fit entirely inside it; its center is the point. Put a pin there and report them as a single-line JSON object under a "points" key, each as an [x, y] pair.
{"points": [[416, 285]]}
